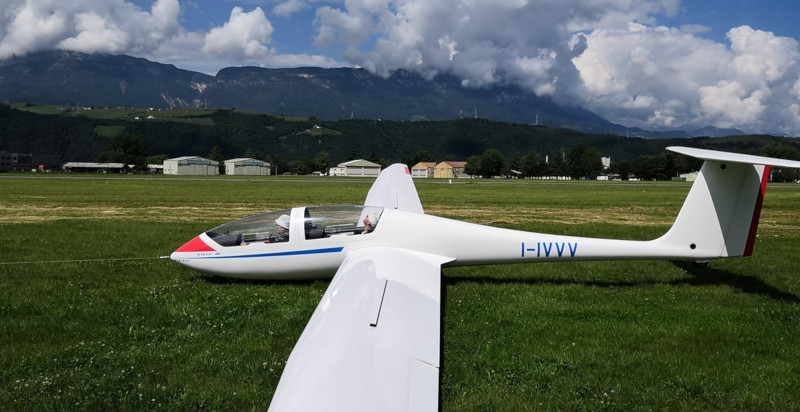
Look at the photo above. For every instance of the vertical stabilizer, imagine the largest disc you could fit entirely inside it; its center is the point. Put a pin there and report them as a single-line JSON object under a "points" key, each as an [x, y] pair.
{"points": [[720, 215], [394, 189]]}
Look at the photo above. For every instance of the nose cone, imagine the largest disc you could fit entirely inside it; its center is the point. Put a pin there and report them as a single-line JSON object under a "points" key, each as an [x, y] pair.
{"points": [[193, 246]]}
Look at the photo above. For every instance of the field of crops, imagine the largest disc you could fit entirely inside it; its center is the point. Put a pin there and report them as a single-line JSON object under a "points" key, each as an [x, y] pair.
{"points": [[91, 319]]}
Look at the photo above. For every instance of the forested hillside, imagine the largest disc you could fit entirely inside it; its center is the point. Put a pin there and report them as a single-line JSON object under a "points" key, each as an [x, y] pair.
{"points": [[83, 135]]}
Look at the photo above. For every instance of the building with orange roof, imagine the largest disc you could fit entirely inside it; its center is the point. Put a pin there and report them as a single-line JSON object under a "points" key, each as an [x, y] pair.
{"points": [[449, 170]]}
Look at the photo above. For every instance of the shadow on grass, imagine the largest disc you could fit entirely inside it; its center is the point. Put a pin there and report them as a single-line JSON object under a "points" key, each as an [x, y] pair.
{"points": [[453, 280], [219, 280], [699, 276], [708, 276]]}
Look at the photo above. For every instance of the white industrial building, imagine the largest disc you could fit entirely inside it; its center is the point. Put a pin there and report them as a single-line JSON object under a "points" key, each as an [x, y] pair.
{"points": [[246, 167], [191, 165], [357, 167]]}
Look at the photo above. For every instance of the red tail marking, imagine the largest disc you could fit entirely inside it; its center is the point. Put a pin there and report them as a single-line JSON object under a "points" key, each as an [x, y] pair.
{"points": [[407, 172], [751, 237], [195, 245]]}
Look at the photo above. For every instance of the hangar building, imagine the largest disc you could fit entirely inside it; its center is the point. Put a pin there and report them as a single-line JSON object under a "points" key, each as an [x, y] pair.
{"points": [[246, 167], [449, 170], [191, 165], [423, 169], [356, 168]]}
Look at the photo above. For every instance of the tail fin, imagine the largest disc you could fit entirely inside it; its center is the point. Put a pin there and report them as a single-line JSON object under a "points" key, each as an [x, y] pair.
{"points": [[394, 189], [720, 215]]}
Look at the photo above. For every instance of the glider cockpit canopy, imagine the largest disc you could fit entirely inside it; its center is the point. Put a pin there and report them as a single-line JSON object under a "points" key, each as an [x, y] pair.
{"points": [[318, 222]]}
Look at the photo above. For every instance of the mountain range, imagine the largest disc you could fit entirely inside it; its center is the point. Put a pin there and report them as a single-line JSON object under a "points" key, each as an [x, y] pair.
{"points": [[102, 80]]}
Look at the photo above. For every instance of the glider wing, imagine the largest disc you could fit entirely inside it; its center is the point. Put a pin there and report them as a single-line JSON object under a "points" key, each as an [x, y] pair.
{"points": [[373, 340]]}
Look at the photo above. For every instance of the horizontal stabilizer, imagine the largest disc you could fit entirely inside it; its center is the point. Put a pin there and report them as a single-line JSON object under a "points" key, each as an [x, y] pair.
{"points": [[733, 157]]}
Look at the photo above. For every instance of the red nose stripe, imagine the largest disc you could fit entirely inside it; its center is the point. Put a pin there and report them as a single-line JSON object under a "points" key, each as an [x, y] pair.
{"points": [[195, 245]]}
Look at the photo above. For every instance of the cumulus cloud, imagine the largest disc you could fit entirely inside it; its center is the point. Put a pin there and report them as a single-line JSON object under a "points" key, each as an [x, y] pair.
{"points": [[119, 26], [485, 42], [664, 77], [245, 34], [287, 8], [94, 35], [610, 56]]}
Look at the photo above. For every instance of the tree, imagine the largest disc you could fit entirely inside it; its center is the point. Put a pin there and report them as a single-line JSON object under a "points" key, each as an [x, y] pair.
{"points": [[216, 155], [128, 149], [622, 168], [531, 166], [645, 167], [303, 166], [157, 159], [584, 161], [667, 166], [492, 163], [322, 162], [473, 166], [516, 162], [558, 165], [279, 164]]}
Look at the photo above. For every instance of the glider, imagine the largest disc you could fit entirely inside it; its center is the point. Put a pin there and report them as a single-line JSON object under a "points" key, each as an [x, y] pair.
{"points": [[373, 342]]}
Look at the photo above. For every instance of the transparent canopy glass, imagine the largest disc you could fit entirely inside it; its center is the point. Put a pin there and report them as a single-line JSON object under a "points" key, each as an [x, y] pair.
{"points": [[256, 228], [327, 221], [319, 222]]}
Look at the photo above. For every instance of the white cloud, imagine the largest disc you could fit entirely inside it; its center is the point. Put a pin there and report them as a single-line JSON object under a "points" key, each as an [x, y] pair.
{"points": [[94, 36], [608, 55], [244, 35], [119, 26], [748, 85], [485, 42], [287, 8], [28, 27]]}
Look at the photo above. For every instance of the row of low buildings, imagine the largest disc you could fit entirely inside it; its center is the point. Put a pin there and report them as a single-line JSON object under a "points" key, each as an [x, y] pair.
{"points": [[196, 165], [186, 165], [441, 170]]}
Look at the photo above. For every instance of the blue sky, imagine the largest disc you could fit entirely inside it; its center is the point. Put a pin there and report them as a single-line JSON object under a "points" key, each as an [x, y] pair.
{"points": [[656, 64], [777, 16]]}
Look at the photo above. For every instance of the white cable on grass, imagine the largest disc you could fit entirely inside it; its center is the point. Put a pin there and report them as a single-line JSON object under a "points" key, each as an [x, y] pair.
{"points": [[80, 260]]}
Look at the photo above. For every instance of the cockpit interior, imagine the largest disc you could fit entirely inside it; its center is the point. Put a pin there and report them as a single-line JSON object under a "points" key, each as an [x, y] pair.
{"points": [[318, 222]]}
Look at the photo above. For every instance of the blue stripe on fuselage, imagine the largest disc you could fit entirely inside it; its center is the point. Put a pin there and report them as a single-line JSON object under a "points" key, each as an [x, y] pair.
{"points": [[290, 253]]}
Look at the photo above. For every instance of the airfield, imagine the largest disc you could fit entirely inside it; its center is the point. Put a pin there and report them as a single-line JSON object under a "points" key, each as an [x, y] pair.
{"points": [[91, 318]]}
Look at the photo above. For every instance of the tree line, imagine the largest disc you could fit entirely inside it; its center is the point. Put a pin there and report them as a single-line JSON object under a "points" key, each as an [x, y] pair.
{"points": [[578, 162], [302, 146]]}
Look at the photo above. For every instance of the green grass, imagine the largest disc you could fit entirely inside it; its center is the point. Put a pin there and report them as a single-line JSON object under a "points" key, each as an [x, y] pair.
{"points": [[90, 318]]}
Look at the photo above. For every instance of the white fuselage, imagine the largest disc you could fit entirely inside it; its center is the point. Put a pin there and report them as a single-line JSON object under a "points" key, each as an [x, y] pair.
{"points": [[464, 243]]}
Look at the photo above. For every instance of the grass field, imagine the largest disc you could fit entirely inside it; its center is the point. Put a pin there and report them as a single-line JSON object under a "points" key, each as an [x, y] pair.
{"points": [[91, 319]]}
